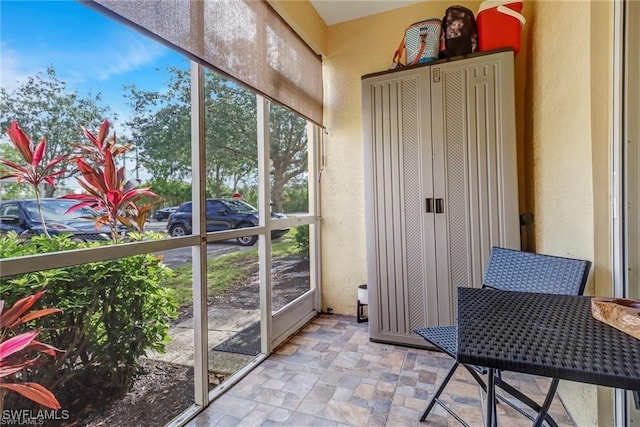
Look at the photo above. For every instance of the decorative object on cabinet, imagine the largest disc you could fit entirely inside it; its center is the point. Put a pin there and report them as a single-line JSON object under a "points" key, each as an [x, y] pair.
{"points": [[420, 43], [500, 24]]}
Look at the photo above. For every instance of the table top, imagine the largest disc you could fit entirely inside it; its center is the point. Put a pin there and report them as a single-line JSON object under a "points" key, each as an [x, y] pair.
{"points": [[543, 334]]}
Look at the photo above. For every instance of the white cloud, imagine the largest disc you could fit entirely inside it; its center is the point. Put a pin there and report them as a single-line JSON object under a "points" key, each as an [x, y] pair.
{"points": [[121, 58], [13, 68], [74, 66]]}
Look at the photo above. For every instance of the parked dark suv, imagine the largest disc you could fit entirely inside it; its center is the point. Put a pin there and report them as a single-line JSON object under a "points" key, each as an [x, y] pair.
{"points": [[22, 216], [222, 214], [163, 214]]}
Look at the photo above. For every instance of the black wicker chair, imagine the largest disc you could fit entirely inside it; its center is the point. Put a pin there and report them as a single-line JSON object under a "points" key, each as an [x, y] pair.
{"points": [[511, 270]]}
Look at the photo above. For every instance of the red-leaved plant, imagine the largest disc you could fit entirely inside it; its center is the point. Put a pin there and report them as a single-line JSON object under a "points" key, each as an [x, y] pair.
{"points": [[34, 172], [100, 144], [19, 351], [108, 192]]}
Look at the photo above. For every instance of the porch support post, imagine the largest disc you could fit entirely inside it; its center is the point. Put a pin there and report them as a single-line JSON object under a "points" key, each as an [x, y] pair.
{"points": [[199, 252], [316, 165], [264, 210]]}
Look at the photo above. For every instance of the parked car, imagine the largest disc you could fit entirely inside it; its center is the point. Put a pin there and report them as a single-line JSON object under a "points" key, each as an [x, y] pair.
{"points": [[23, 217], [222, 214], [163, 214]]}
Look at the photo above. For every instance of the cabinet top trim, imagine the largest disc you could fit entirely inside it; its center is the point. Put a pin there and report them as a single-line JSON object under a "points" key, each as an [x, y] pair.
{"points": [[439, 61]]}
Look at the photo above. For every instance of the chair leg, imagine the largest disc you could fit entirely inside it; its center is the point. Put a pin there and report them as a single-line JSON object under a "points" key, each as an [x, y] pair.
{"points": [[547, 403], [477, 377], [491, 416], [522, 398], [438, 392]]}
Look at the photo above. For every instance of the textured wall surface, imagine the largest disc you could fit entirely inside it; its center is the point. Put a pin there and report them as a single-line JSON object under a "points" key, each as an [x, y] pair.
{"points": [[563, 109], [568, 121], [561, 123], [354, 48]]}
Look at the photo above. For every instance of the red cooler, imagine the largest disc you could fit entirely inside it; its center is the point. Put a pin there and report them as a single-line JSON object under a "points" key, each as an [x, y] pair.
{"points": [[499, 24]]}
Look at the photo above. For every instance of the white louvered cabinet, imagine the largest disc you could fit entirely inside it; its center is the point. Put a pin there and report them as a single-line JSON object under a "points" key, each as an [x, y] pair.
{"points": [[441, 187]]}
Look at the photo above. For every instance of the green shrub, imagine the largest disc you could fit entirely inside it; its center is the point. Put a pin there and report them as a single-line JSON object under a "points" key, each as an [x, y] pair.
{"points": [[302, 241], [112, 312]]}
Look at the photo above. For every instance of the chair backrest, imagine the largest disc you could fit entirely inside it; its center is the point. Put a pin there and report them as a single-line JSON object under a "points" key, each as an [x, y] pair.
{"points": [[512, 270]]}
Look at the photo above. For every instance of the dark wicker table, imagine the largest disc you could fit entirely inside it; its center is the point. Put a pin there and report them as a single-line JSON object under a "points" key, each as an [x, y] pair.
{"points": [[542, 334]]}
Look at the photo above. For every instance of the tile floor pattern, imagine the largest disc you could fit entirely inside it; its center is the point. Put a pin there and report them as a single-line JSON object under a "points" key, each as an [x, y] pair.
{"points": [[330, 374]]}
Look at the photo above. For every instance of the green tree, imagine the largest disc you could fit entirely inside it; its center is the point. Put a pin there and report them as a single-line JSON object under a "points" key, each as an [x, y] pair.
{"points": [[173, 192], [45, 107], [288, 133], [161, 127]]}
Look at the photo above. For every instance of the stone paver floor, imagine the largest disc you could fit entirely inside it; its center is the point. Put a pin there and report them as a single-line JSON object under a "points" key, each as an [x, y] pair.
{"points": [[330, 374]]}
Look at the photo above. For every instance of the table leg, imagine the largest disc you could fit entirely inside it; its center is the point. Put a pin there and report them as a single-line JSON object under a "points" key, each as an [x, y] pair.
{"points": [[491, 399]]}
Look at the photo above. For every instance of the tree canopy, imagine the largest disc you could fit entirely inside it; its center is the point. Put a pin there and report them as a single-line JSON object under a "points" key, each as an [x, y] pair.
{"points": [[43, 106], [160, 125]]}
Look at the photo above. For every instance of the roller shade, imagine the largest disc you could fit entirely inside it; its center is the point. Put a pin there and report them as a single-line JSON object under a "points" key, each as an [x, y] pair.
{"points": [[245, 40]]}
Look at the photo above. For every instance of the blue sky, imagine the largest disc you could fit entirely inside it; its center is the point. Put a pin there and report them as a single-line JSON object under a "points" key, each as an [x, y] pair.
{"points": [[89, 51]]}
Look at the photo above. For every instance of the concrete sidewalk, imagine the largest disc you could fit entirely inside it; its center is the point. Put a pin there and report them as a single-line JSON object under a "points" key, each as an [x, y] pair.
{"points": [[223, 324]]}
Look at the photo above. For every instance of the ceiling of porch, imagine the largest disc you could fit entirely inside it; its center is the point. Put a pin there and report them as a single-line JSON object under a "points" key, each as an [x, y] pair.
{"points": [[334, 12]]}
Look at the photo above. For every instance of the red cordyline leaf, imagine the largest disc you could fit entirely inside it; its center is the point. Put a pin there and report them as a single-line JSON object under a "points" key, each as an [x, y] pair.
{"points": [[83, 147], [20, 141], [120, 177], [21, 306], [54, 162], [39, 152], [43, 348], [85, 201], [110, 174], [139, 192], [5, 371], [21, 358], [94, 193], [90, 200], [101, 220], [17, 343], [121, 150], [130, 185], [34, 392], [124, 220], [19, 177], [114, 198], [49, 178], [21, 169], [92, 138], [34, 315], [104, 131], [92, 177]]}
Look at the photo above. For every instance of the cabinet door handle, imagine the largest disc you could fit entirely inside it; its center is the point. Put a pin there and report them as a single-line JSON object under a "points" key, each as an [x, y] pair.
{"points": [[439, 205], [429, 204]]}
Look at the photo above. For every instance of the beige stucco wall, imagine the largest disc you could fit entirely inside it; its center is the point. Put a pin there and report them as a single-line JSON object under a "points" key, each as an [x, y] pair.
{"points": [[563, 92], [354, 48], [567, 140], [561, 128]]}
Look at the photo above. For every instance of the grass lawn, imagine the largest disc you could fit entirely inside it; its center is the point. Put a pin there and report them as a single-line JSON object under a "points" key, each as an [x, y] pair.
{"points": [[228, 269]]}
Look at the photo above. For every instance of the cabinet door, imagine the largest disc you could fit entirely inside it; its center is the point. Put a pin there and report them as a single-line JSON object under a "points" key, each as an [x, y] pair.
{"points": [[475, 169], [398, 179]]}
